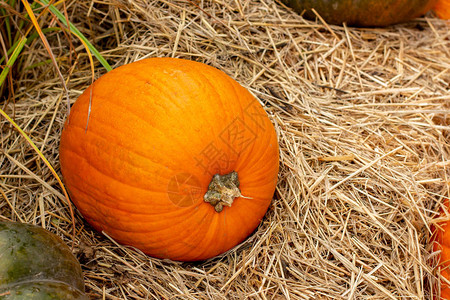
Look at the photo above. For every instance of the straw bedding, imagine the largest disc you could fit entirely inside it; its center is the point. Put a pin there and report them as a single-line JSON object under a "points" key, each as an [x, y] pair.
{"points": [[362, 117]]}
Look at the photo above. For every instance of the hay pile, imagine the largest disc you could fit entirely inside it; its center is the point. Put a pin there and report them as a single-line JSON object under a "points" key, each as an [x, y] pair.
{"points": [[363, 122]]}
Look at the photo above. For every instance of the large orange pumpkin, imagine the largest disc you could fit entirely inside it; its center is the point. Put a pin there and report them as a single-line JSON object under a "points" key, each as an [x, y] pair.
{"points": [[362, 12], [170, 156], [441, 242]]}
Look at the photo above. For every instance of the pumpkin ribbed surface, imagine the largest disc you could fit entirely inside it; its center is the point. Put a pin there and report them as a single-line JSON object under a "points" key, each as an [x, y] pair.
{"points": [[142, 144]]}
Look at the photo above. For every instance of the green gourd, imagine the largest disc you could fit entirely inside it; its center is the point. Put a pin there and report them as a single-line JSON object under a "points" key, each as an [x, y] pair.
{"points": [[36, 264]]}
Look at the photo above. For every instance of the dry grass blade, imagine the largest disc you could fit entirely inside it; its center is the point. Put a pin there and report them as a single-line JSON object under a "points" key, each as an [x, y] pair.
{"points": [[46, 44], [46, 162], [87, 45]]}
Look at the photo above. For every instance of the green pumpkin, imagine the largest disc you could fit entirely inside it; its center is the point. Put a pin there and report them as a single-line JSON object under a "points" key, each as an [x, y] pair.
{"points": [[367, 13], [36, 264]]}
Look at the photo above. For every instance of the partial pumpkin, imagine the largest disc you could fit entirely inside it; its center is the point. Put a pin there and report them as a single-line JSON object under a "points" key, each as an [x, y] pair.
{"points": [[36, 264], [441, 242], [170, 156], [442, 9], [363, 13]]}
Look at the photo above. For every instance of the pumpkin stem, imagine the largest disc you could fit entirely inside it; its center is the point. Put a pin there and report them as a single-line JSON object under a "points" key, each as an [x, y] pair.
{"points": [[222, 190]]}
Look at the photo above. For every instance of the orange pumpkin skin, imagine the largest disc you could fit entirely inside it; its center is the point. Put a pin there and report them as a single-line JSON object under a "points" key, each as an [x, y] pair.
{"points": [[139, 163], [442, 9], [441, 242]]}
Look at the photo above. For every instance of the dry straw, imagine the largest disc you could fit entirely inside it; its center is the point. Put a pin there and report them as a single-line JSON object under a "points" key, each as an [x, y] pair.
{"points": [[362, 117]]}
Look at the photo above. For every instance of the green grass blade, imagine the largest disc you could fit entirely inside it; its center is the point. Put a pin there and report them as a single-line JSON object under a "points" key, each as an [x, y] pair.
{"points": [[12, 59], [7, 25], [76, 32], [32, 36], [10, 50]]}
